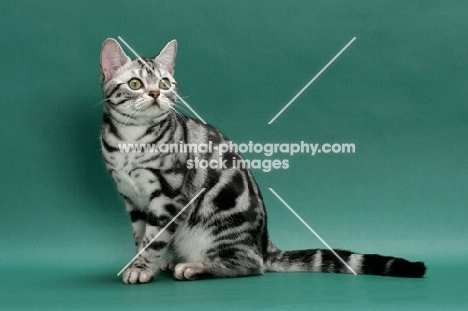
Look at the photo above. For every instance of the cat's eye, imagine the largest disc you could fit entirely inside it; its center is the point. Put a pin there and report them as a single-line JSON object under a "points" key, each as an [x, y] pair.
{"points": [[164, 84], [135, 84]]}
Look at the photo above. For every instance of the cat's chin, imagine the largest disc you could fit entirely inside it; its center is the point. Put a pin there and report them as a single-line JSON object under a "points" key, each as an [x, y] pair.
{"points": [[153, 112]]}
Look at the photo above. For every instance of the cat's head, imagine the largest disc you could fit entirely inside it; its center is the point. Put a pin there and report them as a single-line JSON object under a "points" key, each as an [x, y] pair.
{"points": [[140, 88]]}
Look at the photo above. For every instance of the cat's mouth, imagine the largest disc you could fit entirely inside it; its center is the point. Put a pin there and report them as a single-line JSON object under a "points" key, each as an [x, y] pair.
{"points": [[152, 108], [148, 104], [155, 103]]}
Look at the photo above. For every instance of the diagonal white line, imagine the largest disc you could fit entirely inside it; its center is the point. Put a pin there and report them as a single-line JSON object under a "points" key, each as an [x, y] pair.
{"points": [[147, 66], [160, 232], [313, 231], [311, 81]]}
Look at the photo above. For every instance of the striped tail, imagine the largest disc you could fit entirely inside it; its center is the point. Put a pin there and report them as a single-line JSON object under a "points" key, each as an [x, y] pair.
{"points": [[320, 260]]}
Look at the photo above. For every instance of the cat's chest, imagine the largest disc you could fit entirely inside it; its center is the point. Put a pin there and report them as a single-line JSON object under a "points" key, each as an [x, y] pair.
{"points": [[133, 169], [133, 148], [139, 168], [137, 176]]}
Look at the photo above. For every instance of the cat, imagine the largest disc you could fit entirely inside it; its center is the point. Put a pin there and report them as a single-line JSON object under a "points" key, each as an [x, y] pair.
{"points": [[223, 233]]}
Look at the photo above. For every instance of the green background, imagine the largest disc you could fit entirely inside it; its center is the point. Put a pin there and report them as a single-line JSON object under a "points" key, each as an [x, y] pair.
{"points": [[398, 93]]}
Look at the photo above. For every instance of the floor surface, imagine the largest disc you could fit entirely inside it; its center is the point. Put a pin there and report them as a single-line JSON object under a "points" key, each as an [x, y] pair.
{"points": [[97, 288]]}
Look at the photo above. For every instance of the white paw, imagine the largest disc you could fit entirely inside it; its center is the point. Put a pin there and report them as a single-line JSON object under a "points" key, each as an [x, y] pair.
{"points": [[137, 275], [188, 271], [167, 265]]}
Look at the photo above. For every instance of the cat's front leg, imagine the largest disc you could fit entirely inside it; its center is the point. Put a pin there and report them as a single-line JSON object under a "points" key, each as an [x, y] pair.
{"points": [[138, 219], [160, 213]]}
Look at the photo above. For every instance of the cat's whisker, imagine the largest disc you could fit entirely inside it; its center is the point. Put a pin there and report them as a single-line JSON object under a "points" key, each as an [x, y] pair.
{"points": [[100, 102], [180, 117], [130, 115], [184, 97], [181, 107], [128, 109], [178, 107], [177, 114]]}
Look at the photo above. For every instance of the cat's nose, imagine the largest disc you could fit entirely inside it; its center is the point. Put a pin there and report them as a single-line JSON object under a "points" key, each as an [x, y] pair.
{"points": [[154, 94]]}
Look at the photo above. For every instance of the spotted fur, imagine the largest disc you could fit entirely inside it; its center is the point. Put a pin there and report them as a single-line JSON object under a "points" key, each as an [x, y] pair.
{"points": [[224, 232]]}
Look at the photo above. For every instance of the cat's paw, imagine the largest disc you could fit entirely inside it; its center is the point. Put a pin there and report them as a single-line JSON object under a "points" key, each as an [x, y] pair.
{"points": [[188, 271], [167, 265], [137, 275]]}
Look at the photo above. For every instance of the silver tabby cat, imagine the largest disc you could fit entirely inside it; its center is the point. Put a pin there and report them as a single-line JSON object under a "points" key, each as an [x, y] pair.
{"points": [[223, 233]]}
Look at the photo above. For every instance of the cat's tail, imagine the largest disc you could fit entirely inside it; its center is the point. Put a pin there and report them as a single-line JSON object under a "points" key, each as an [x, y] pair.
{"points": [[323, 260]]}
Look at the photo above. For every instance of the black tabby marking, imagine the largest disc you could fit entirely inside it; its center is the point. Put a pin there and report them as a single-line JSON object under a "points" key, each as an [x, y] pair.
{"points": [[136, 215], [108, 147], [226, 198], [157, 245], [115, 89]]}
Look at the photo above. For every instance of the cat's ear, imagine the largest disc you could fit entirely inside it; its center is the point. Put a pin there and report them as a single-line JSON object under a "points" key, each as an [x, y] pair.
{"points": [[168, 55], [112, 58]]}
